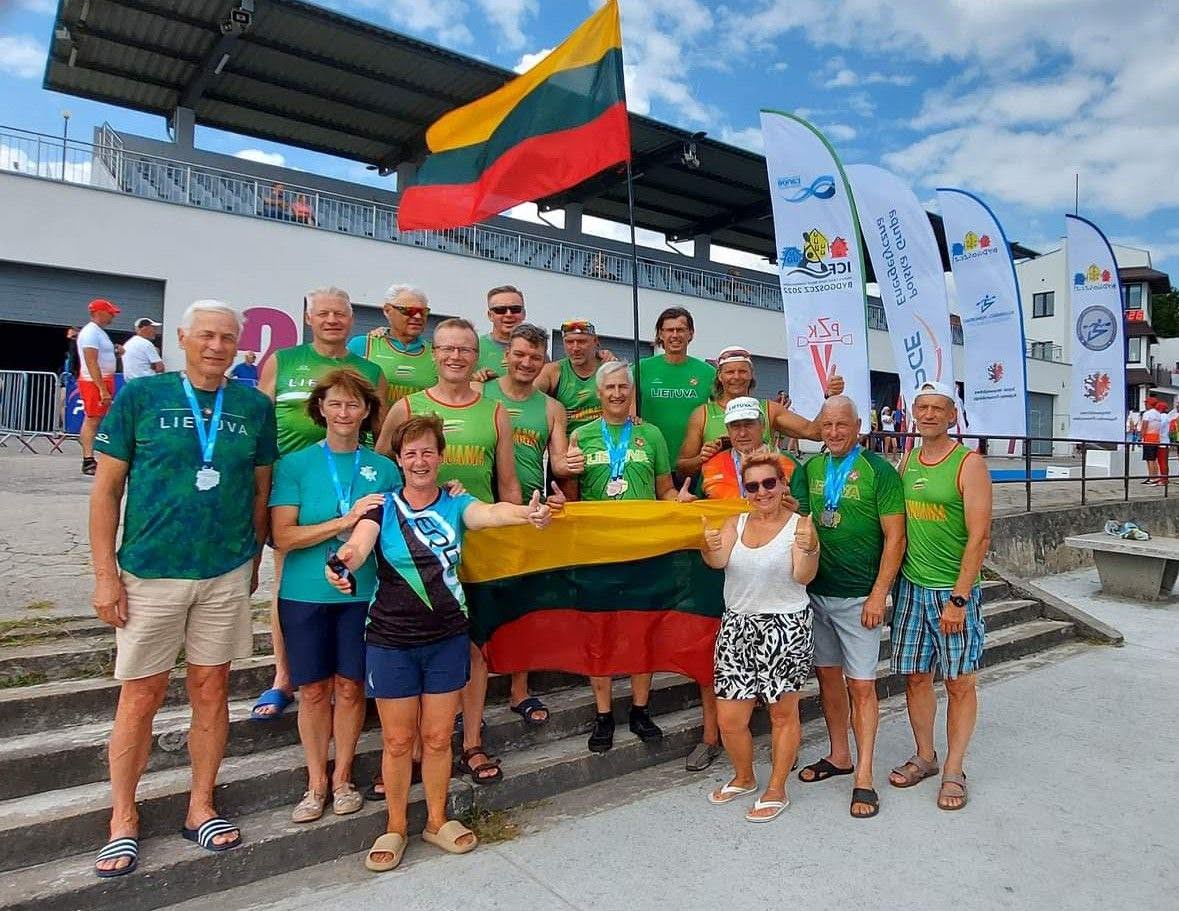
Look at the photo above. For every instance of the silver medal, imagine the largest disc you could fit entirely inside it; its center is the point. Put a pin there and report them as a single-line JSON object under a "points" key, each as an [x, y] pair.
{"points": [[616, 487], [207, 478]]}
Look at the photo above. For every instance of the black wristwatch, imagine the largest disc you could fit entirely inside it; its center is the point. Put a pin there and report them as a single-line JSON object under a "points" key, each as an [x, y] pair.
{"points": [[957, 600]]}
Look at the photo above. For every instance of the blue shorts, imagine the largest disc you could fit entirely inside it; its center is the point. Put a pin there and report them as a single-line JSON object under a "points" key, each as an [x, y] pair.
{"points": [[917, 638], [400, 673], [323, 640]]}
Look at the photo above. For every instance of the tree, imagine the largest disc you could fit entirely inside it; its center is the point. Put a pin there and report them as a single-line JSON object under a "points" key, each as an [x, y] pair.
{"points": [[1164, 314]]}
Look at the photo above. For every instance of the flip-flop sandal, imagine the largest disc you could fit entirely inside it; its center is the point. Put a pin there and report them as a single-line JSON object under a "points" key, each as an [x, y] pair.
{"points": [[822, 770], [448, 836], [529, 707], [729, 793], [867, 796], [204, 834], [957, 781], [778, 806], [924, 769], [113, 850], [390, 843], [478, 772], [272, 697]]}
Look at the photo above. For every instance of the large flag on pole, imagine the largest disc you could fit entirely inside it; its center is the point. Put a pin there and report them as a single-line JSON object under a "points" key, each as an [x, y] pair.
{"points": [[1097, 399], [908, 265], [547, 130], [819, 265], [994, 369]]}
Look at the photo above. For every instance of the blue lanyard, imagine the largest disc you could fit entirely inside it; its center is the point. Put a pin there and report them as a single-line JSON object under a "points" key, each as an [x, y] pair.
{"points": [[206, 437], [343, 497], [736, 465], [617, 451], [836, 477]]}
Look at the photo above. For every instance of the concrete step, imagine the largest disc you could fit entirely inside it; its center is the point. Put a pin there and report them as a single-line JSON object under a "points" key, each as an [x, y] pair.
{"points": [[994, 590], [43, 629]]}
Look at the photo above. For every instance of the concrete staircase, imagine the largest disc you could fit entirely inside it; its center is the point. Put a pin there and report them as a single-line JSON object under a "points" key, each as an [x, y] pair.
{"points": [[56, 716]]}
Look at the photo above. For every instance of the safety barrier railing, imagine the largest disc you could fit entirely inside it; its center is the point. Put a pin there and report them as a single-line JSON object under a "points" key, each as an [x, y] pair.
{"points": [[32, 404]]}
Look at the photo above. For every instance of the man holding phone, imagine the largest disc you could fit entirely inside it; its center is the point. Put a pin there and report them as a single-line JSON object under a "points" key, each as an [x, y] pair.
{"points": [[720, 475]]}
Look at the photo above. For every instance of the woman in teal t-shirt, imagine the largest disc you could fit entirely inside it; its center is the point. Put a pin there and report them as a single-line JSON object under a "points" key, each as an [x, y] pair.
{"points": [[319, 494]]}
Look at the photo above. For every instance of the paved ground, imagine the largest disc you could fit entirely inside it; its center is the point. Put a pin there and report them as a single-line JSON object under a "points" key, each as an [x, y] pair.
{"points": [[1072, 774]]}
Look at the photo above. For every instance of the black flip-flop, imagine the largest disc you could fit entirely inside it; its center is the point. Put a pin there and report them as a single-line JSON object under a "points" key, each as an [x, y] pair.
{"points": [[822, 770], [127, 846], [525, 709], [868, 796], [204, 834]]}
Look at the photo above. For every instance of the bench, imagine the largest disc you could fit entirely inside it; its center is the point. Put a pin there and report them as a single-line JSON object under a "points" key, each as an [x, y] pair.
{"points": [[1143, 570]]}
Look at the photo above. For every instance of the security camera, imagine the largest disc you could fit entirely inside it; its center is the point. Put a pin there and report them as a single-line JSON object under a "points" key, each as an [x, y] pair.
{"points": [[241, 17]]}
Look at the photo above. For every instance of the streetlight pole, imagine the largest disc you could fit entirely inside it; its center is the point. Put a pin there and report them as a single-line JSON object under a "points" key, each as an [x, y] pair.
{"points": [[65, 141]]}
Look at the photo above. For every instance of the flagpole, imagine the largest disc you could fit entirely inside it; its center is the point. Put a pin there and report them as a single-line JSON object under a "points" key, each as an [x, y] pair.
{"points": [[634, 279]]}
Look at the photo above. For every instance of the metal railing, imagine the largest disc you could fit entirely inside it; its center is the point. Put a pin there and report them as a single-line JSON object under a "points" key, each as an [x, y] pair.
{"points": [[1044, 351], [878, 319], [31, 406]]}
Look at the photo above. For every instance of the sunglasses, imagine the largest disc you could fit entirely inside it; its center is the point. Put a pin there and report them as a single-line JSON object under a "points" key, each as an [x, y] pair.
{"points": [[766, 484], [412, 311], [579, 325], [506, 309]]}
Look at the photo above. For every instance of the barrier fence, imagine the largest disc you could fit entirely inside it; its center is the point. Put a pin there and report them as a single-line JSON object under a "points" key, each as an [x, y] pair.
{"points": [[32, 405]]}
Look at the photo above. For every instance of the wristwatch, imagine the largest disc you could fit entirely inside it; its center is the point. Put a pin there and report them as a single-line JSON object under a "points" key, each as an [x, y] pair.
{"points": [[957, 600]]}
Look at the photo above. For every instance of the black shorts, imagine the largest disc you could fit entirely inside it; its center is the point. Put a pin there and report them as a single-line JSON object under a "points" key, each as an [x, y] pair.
{"points": [[1150, 452]]}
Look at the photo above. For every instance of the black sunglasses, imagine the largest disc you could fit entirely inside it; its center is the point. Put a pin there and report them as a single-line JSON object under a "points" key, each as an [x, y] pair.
{"points": [[507, 308], [767, 484]]}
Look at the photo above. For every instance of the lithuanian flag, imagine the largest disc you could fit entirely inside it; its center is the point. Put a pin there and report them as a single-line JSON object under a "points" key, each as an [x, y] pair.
{"points": [[551, 128], [609, 588]]}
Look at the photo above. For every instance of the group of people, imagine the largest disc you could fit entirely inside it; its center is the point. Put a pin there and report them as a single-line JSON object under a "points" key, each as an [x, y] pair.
{"points": [[367, 458], [1156, 429]]}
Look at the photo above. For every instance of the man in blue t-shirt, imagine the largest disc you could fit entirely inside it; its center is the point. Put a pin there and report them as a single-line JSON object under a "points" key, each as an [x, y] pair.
{"points": [[247, 371]]}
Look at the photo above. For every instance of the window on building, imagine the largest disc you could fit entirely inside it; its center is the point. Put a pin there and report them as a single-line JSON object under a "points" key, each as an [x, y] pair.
{"points": [[1135, 351], [1132, 297], [1044, 303]]}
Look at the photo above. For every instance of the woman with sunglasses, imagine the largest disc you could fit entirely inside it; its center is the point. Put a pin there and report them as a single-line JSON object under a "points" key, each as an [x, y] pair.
{"points": [[399, 349], [505, 309], [765, 646]]}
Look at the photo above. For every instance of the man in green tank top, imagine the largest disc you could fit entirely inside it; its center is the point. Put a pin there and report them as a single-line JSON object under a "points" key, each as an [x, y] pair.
{"points": [[399, 349], [937, 620], [505, 309], [571, 380]]}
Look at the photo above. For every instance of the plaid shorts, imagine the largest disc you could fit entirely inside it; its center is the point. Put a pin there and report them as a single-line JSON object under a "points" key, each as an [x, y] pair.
{"points": [[917, 639]]}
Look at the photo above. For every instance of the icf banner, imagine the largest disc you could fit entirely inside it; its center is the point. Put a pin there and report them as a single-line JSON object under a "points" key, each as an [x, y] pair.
{"points": [[994, 371], [819, 265], [1097, 402], [908, 265]]}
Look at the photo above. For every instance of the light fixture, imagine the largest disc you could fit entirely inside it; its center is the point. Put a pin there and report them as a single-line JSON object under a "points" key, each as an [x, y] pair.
{"points": [[221, 64]]}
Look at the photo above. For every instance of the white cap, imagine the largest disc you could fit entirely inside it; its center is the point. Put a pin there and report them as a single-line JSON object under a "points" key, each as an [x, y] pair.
{"points": [[146, 321], [743, 408], [932, 387]]}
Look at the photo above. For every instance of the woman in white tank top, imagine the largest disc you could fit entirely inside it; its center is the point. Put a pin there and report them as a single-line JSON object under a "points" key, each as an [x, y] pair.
{"points": [[764, 647]]}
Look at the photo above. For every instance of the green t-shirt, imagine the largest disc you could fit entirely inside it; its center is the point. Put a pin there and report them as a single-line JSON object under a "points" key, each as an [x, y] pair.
{"points": [[405, 372], [302, 479], [671, 392], [578, 395], [849, 553], [171, 530], [492, 355], [298, 370], [530, 435], [935, 519], [470, 441], [714, 421], [646, 459]]}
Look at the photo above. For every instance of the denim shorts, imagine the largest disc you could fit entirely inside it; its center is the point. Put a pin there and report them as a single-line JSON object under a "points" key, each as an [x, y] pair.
{"points": [[400, 673]]}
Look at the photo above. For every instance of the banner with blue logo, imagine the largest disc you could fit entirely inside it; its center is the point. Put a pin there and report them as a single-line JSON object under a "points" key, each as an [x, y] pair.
{"points": [[908, 264], [819, 265], [994, 372], [1097, 400]]}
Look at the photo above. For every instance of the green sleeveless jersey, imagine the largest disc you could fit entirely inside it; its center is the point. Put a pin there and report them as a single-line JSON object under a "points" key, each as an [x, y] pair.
{"points": [[298, 369], [405, 372], [580, 397], [470, 441], [714, 421], [530, 435], [935, 519], [492, 355]]}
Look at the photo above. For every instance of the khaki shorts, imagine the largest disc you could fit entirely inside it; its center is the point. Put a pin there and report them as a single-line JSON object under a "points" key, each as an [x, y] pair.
{"points": [[210, 618]]}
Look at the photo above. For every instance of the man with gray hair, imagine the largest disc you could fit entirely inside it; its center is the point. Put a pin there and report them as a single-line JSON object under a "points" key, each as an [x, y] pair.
{"points": [[398, 349], [859, 510], [193, 454]]}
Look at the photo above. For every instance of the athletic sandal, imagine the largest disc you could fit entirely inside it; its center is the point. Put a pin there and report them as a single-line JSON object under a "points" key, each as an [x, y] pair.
{"points": [[310, 808], [953, 781], [272, 697], [778, 806], [371, 792], [821, 771], [729, 793], [127, 846], [704, 755], [529, 708], [204, 834], [447, 838], [486, 772], [390, 843], [914, 770], [867, 796], [346, 799]]}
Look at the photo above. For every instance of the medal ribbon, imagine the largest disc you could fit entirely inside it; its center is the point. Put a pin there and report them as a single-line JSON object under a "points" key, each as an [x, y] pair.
{"points": [[836, 477], [617, 451], [343, 497], [206, 437]]}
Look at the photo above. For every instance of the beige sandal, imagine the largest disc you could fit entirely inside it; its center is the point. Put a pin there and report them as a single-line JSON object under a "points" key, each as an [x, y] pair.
{"points": [[310, 808], [914, 770], [346, 799], [954, 781], [447, 837], [390, 843]]}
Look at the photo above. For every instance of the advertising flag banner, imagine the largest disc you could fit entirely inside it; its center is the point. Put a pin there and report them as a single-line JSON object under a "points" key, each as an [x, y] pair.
{"points": [[1097, 400], [908, 265], [819, 263], [994, 371]]}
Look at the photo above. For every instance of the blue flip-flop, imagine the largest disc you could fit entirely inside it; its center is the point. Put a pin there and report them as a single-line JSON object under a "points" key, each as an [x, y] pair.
{"points": [[275, 697], [114, 849], [204, 834], [526, 708]]}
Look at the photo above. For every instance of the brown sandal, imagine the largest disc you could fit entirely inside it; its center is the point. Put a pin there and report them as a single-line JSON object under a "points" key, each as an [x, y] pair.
{"points": [[914, 770], [486, 772], [953, 781]]}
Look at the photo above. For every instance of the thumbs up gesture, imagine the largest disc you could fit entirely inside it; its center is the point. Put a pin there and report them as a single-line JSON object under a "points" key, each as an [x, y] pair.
{"points": [[805, 537], [712, 536], [539, 514], [557, 498], [574, 457], [685, 495], [835, 385]]}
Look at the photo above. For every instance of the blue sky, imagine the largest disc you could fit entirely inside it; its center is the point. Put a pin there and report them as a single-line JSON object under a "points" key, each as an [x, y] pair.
{"points": [[1007, 98]]}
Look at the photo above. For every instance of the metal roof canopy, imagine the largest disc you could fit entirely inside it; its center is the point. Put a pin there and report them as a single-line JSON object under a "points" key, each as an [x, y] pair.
{"points": [[308, 77]]}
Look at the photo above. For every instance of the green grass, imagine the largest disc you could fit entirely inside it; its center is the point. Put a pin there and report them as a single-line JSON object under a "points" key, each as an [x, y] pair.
{"points": [[12, 682], [40, 605], [31, 630], [491, 826]]}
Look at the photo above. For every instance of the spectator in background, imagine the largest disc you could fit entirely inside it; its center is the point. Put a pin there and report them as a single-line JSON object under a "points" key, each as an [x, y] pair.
{"points": [[301, 211], [1152, 428], [1134, 426], [247, 371], [274, 204], [96, 379], [887, 427], [141, 357]]}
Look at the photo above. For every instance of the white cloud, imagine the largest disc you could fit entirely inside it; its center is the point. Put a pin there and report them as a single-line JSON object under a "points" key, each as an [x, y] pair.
{"points": [[274, 159], [840, 132], [747, 138], [846, 78], [22, 55], [442, 19], [44, 7], [528, 61], [664, 40], [508, 16], [44, 162]]}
